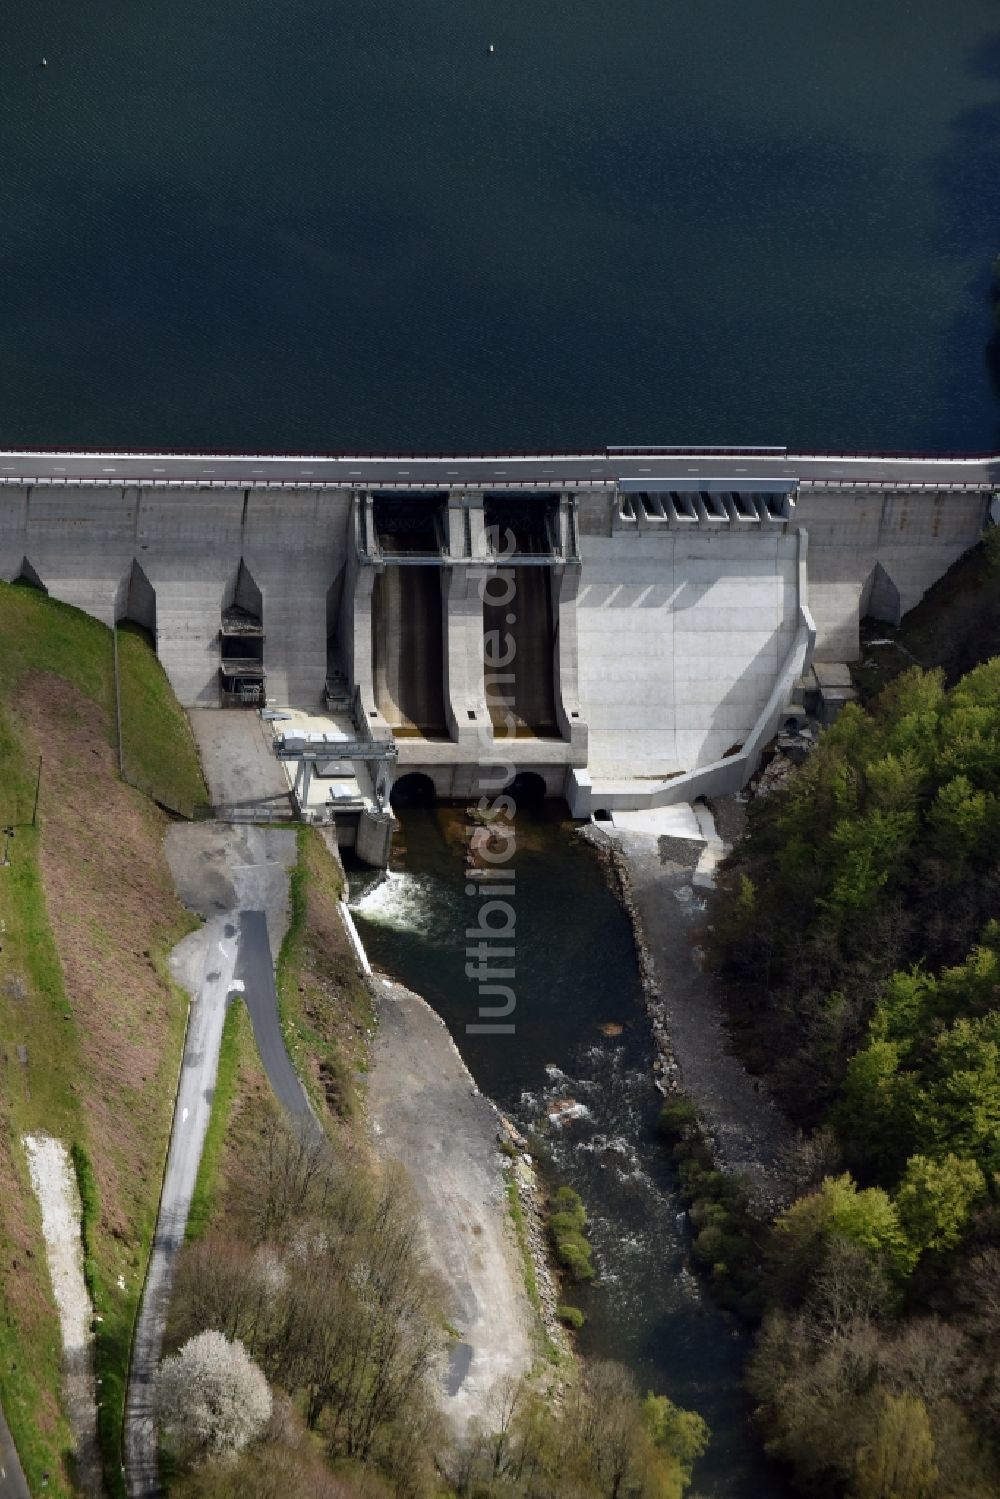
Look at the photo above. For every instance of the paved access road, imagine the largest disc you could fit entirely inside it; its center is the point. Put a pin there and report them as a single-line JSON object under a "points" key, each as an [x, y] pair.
{"points": [[496, 471], [237, 878], [13, 1484], [205, 963], [255, 970]]}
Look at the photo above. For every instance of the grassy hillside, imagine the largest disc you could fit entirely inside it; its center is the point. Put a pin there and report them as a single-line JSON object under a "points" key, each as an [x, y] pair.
{"points": [[326, 1009], [158, 747], [90, 1025]]}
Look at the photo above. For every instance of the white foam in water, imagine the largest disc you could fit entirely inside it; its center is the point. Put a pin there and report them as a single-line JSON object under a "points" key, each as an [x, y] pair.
{"points": [[403, 902]]}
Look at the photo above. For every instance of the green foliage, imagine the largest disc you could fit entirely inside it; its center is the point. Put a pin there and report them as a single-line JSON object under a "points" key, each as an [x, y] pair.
{"points": [[874, 1117], [934, 1200], [867, 1218], [855, 928], [684, 1434], [570, 1316], [323, 1001], [568, 1204], [521, 1234], [676, 1116], [41, 636], [158, 749], [90, 1211], [726, 1246], [599, 1441], [574, 1254], [882, 853], [566, 1223], [898, 1463], [928, 1081]]}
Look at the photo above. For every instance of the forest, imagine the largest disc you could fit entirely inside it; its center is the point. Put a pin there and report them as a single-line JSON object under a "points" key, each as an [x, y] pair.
{"points": [[855, 931]]}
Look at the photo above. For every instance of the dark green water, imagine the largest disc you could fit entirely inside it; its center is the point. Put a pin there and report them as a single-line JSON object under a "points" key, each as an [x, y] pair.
{"points": [[312, 224], [575, 972]]}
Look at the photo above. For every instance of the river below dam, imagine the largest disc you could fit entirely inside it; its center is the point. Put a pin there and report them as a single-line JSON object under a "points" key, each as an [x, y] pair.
{"points": [[581, 1034]]}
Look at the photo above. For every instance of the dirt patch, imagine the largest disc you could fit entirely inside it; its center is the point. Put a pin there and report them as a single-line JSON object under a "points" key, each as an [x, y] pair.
{"points": [[218, 867], [730, 814]]}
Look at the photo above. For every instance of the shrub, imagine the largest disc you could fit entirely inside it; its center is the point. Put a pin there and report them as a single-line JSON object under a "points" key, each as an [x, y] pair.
{"points": [[573, 1253], [565, 1200], [676, 1117], [570, 1316], [567, 1224]]}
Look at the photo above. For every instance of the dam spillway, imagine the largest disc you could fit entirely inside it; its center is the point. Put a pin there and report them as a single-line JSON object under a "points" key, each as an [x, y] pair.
{"points": [[523, 701], [665, 601], [407, 651]]}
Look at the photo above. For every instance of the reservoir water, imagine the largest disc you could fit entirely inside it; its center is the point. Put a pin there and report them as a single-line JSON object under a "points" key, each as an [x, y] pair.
{"points": [[309, 224], [580, 1033]]}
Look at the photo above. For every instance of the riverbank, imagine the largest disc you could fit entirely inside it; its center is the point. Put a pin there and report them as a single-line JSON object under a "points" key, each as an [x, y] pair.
{"points": [[653, 873], [583, 1038], [427, 1114]]}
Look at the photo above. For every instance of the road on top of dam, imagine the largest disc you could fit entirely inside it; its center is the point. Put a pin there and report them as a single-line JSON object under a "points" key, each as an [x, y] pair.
{"points": [[516, 471]]}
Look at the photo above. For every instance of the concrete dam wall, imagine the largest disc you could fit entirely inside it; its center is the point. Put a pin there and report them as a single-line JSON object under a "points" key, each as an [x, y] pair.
{"points": [[611, 635]]}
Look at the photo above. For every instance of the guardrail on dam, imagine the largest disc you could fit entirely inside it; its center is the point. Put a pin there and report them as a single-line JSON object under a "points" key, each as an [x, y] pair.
{"points": [[656, 604]]}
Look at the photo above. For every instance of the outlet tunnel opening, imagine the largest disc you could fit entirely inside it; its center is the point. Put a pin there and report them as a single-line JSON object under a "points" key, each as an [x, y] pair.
{"points": [[528, 789], [413, 790]]}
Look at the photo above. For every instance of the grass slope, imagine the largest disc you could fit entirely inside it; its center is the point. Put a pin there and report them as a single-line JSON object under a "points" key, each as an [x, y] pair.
{"points": [[237, 1037], [90, 1025], [326, 1009], [158, 747]]}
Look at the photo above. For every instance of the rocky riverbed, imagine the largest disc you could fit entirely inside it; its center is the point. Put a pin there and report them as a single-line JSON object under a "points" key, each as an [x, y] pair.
{"points": [[653, 875]]}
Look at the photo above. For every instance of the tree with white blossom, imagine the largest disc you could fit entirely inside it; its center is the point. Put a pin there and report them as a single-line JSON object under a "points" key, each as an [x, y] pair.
{"points": [[211, 1396]]}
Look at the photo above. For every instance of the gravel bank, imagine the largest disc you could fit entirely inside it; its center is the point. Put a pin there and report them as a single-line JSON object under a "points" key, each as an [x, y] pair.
{"points": [[748, 1134], [54, 1183], [426, 1112]]}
